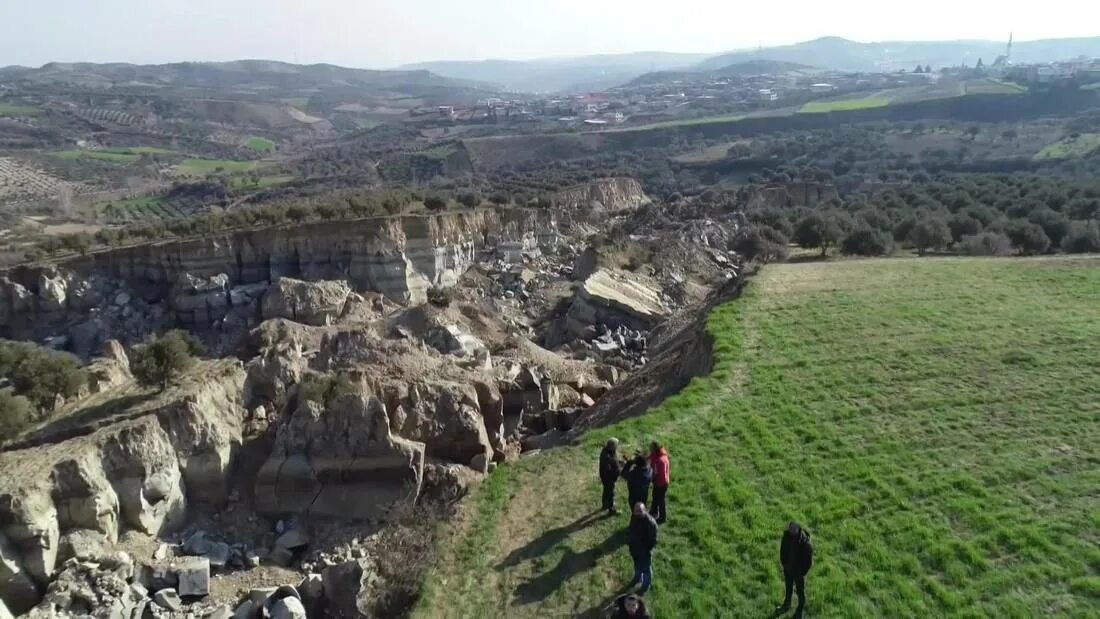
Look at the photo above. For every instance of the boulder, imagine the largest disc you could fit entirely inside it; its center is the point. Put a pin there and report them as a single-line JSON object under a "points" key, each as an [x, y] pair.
{"points": [[17, 588], [347, 586], [312, 303], [288, 608], [168, 599], [200, 300], [193, 576], [327, 458], [110, 370], [612, 297], [293, 539]]}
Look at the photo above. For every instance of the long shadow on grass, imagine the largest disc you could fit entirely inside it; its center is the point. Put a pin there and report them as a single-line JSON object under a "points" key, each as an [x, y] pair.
{"points": [[548, 540], [571, 564]]}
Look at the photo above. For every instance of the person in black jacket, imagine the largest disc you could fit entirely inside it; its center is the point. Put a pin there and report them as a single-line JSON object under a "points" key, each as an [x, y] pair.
{"points": [[638, 476], [796, 555], [610, 469], [642, 539], [630, 606]]}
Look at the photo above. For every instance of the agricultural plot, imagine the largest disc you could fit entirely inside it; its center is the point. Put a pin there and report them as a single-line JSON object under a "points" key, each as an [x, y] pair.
{"points": [[202, 167], [1074, 146], [990, 86], [146, 210], [933, 423], [21, 182], [843, 105], [260, 145], [103, 115], [11, 109]]}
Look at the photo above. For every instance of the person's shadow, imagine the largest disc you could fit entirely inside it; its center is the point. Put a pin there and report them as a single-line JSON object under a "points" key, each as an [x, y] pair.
{"points": [[548, 540], [571, 564]]}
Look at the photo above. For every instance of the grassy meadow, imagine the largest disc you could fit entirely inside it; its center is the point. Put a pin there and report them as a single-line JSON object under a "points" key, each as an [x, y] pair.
{"points": [[934, 423], [843, 105]]}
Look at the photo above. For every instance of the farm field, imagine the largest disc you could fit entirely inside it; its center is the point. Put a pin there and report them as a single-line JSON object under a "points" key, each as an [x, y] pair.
{"points": [[202, 167], [843, 105], [103, 155], [934, 423], [260, 145], [9, 109], [20, 181], [1065, 148]]}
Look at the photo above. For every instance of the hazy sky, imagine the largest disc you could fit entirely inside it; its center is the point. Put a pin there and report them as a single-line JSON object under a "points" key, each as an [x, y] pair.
{"points": [[384, 33]]}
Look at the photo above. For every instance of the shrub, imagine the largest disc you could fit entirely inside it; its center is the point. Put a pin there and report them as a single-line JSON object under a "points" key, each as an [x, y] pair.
{"points": [[760, 244], [929, 233], [986, 244], [1029, 238], [469, 199], [817, 230], [865, 241], [963, 225], [1053, 223], [40, 374], [16, 413], [500, 199], [1083, 237], [435, 202], [165, 358], [325, 388]]}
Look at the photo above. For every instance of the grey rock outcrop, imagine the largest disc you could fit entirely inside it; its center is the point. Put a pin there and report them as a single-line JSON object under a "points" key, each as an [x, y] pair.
{"points": [[138, 473], [329, 457], [311, 303], [613, 298]]}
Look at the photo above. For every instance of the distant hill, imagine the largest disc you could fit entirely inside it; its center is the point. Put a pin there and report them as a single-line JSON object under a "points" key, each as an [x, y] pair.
{"points": [[738, 69], [222, 75], [842, 54], [561, 74]]}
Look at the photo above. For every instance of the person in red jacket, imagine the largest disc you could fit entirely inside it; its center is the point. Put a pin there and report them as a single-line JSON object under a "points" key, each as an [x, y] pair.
{"points": [[658, 461]]}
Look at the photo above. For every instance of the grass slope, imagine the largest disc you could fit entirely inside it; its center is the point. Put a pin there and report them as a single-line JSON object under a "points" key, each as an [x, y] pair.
{"points": [[260, 145], [843, 105], [934, 423], [1077, 146]]}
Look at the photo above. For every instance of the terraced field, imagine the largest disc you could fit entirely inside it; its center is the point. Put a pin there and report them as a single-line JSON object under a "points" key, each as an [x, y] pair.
{"points": [[843, 105], [1077, 146], [202, 167], [934, 423]]}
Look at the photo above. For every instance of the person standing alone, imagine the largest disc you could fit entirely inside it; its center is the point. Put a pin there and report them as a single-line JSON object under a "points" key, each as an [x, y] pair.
{"points": [[610, 468], [658, 461], [642, 539], [796, 555]]}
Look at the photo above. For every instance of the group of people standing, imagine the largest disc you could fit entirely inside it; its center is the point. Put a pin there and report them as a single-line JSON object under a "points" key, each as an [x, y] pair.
{"points": [[796, 552]]}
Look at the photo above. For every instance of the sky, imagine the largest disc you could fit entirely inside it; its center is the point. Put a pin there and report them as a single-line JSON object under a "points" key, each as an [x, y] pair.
{"points": [[387, 33]]}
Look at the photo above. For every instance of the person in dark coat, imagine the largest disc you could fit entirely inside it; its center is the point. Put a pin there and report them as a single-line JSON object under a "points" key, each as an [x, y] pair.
{"points": [[658, 462], [638, 476], [642, 539], [630, 606], [610, 469], [796, 555]]}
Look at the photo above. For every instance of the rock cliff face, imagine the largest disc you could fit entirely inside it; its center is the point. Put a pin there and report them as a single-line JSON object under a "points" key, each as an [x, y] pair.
{"points": [[601, 197], [200, 281], [137, 468]]}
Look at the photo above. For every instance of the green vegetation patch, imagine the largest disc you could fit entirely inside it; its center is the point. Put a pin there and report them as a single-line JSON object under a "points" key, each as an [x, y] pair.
{"points": [[1073, 146], [933, 423], [102, 155], [11, 109], [843, 105], [260, 145], [991, 86], [202, 167]]}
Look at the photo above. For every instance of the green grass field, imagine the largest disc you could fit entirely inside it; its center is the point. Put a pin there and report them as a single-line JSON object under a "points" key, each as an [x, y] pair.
{"points": [[9, 109], [102, 155], [843, 105], [934, 423], [260, 145], [1065, 148], [202, 167]]}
